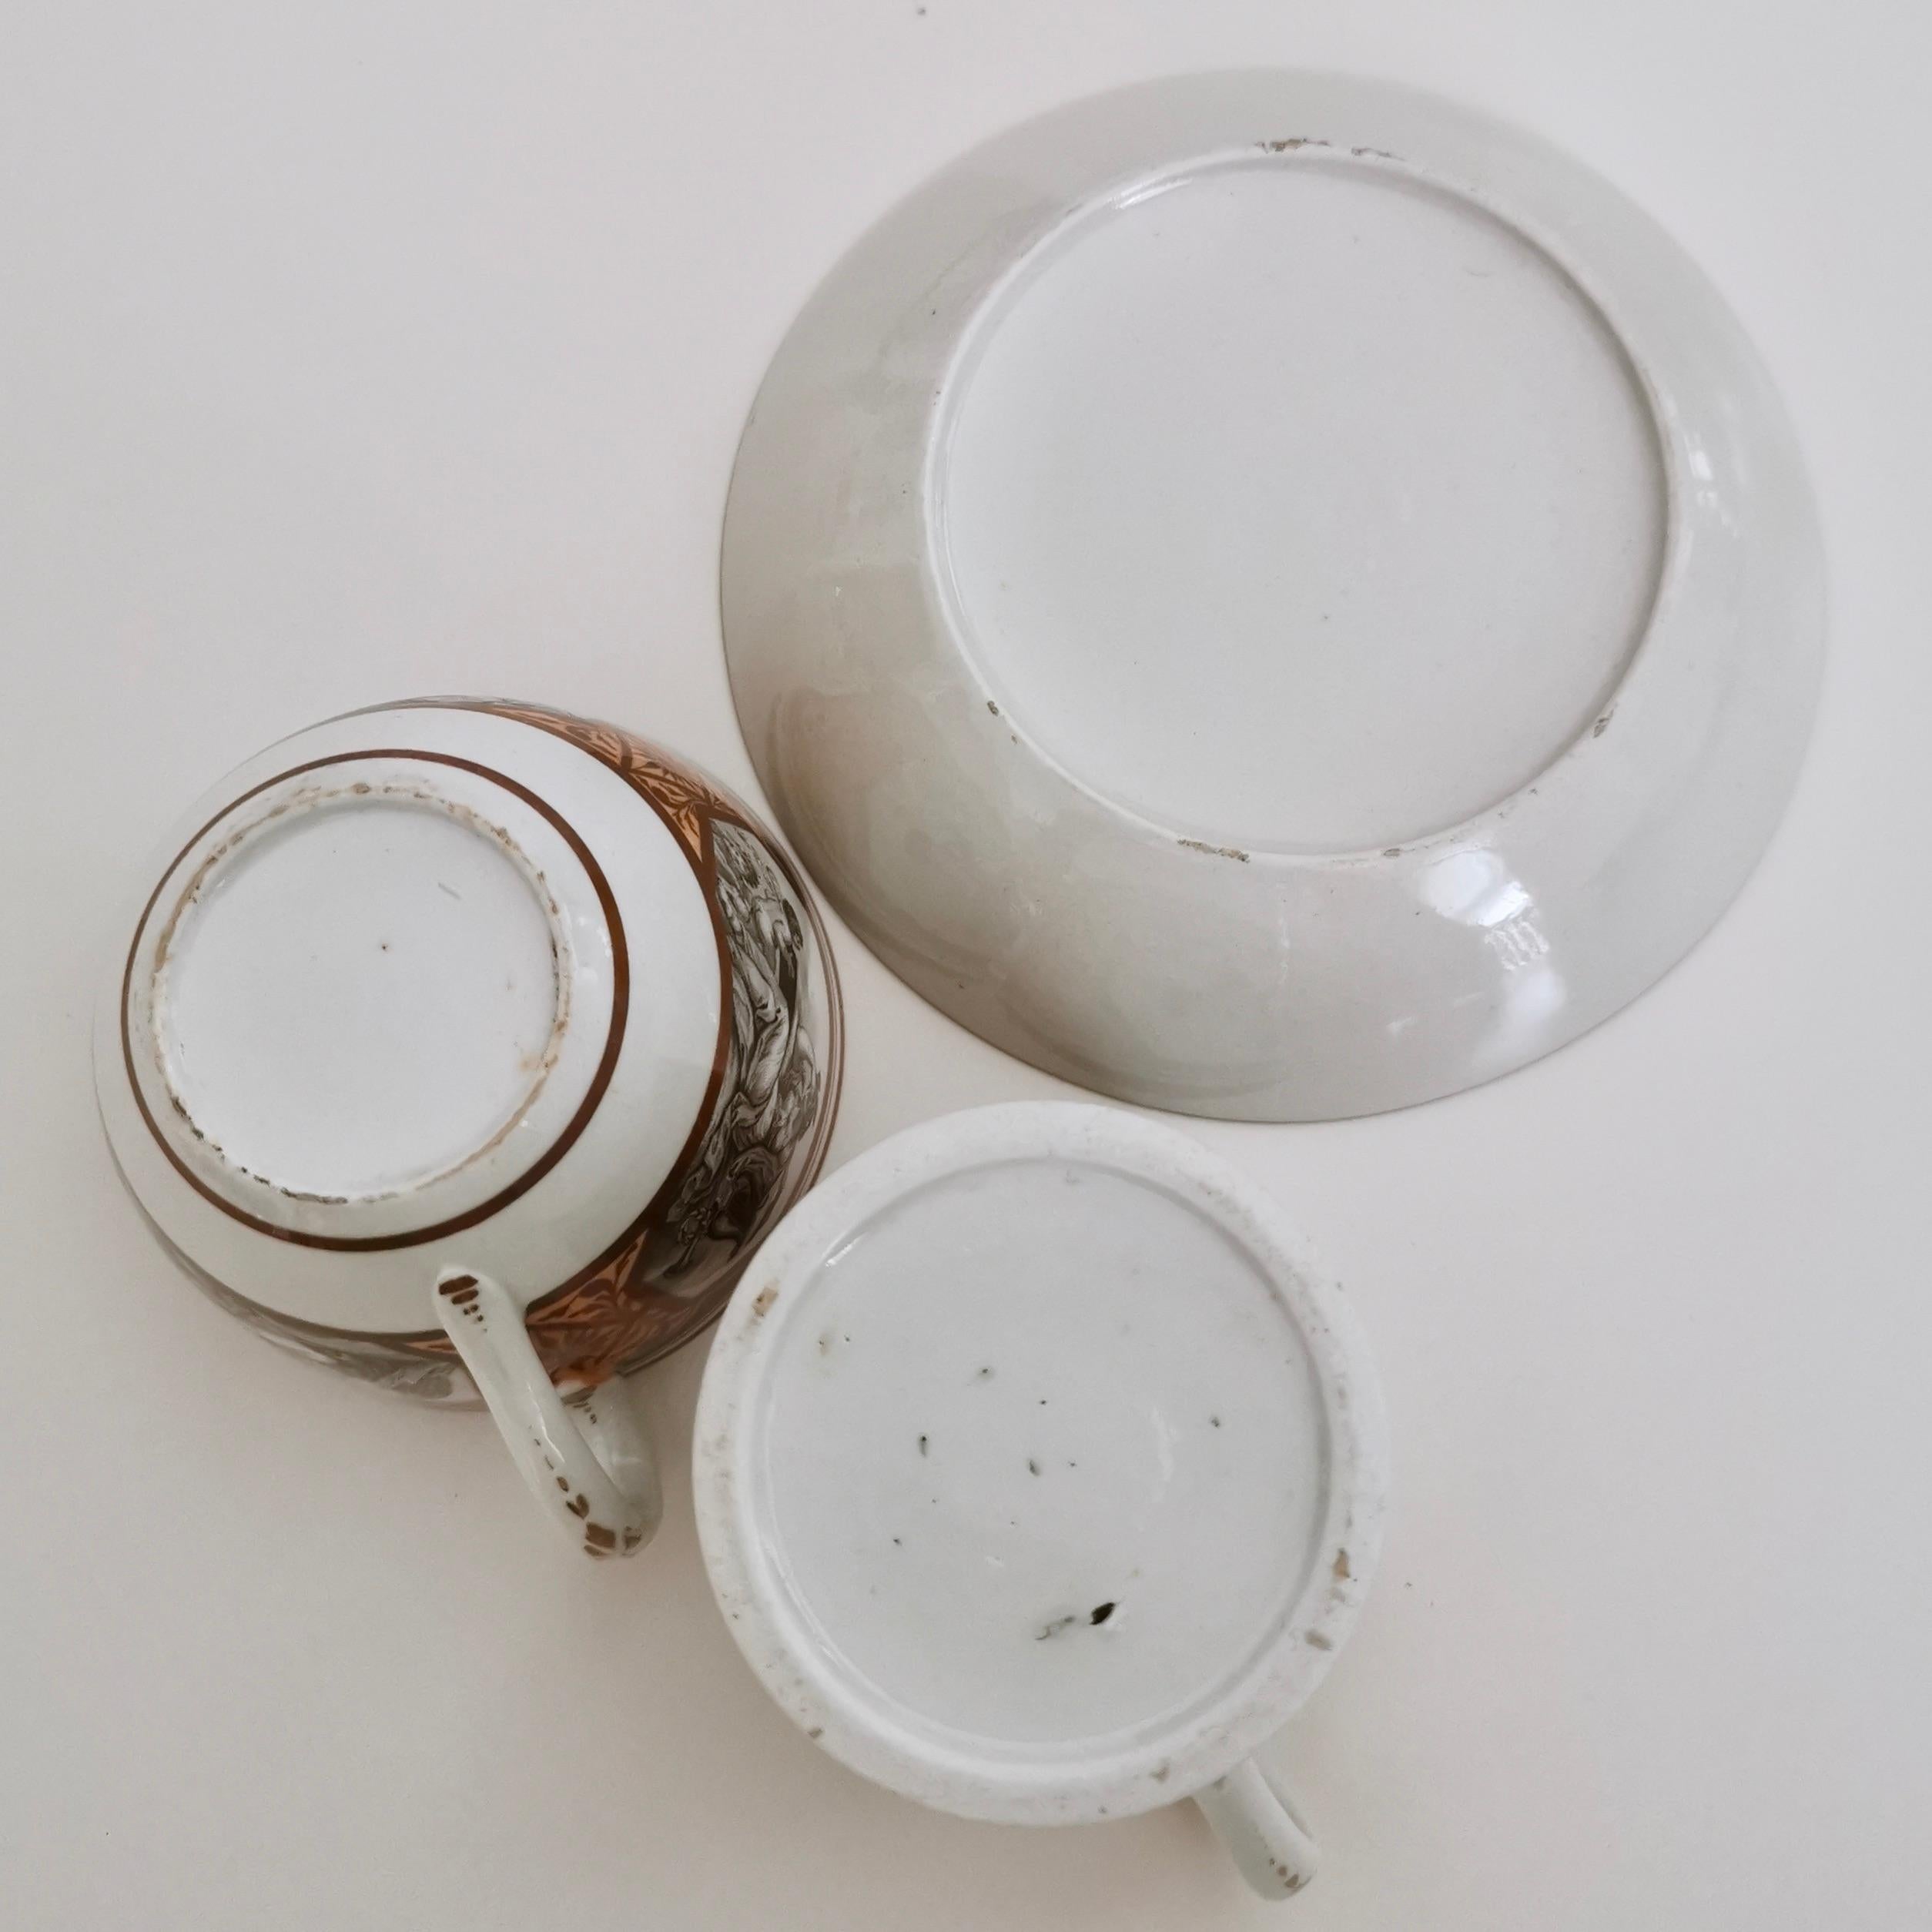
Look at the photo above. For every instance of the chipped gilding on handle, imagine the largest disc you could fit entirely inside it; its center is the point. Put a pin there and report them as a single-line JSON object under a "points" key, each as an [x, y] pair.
{"points": [[592, 1470], [1252, 1817]]}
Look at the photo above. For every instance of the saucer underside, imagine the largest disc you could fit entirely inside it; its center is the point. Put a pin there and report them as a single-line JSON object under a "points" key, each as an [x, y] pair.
{"points": [[1272, 596]]}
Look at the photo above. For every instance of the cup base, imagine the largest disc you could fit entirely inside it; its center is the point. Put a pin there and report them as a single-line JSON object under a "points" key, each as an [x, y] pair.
{"points": [[360, 990]]}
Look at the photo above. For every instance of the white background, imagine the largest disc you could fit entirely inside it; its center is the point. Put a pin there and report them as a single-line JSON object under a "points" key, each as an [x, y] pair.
{"points": [[362, 349]]}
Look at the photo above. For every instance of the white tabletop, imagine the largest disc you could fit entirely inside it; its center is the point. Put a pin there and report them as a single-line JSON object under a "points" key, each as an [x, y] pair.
{"points": [[357, 351]]}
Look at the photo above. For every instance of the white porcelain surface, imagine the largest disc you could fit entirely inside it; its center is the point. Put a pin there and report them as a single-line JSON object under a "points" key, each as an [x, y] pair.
{"points": [[1272, 596], [464, 1046], [356, 350], [1039, 1471]]}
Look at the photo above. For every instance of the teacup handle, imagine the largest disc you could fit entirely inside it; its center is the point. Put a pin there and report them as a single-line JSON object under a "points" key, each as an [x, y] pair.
{"points": [[1254, 1819], [591, 1467]]}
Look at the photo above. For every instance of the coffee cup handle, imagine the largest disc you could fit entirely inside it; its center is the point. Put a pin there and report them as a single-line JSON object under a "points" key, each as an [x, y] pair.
{"points": [[590, 1465], [1254, 1818]]}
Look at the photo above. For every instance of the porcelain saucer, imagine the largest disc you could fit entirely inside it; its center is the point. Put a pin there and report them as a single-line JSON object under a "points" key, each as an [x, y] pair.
{"points": [[1273, 596]]}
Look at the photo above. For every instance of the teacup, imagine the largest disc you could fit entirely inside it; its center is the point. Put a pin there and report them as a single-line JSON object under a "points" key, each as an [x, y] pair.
{"points": [[470, 1048], [1041, 1475]]}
